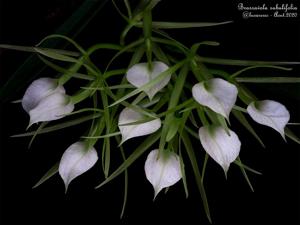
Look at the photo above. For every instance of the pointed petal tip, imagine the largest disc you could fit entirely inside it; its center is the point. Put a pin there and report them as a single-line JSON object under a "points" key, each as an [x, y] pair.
{"points": [[225, 169], [66, 188]]}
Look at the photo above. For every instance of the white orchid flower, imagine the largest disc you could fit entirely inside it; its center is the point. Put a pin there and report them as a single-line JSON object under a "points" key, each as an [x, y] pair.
{"points": [[217, 94], [45, 100], [269, 113], [135, 130], [224, 148], [76, 160], [139, 75], [38, 90], [162, 170]]}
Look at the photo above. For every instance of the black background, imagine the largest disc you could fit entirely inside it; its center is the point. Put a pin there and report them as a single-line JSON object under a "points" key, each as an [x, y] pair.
{"points": [[276, 199]]}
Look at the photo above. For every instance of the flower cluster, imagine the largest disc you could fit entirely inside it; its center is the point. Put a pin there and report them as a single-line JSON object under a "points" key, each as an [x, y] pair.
{"points": [[45, 100], [165, 93]]}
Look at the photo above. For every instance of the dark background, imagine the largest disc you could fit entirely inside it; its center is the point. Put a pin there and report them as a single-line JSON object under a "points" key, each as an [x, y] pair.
{"points": [[276, 199]]}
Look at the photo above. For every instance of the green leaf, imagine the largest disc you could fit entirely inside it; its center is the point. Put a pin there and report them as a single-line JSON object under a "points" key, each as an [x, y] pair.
{"points": [[241, 109], [192, 133], [40, 128], [173, 128], [134, 156], [137, 56], [237, 62], [54, 55], [293, 124], [240, 164], [123, 50], [204, 166], [125, 183], [101, 46], [59, 36], [243, 120], [196, 46], [120, 86], [111, 73], [291, 135], [259, 66], [119, 11], [244, 173], [103, 136], [51, 172], [192, 156], [183, 170], [159, 54], [169, 127], [69, 72], [215, 118], [277, 80], [127, 4], [182, 25], [172, 42], [60, 126], [34, 49], [137, 122]]}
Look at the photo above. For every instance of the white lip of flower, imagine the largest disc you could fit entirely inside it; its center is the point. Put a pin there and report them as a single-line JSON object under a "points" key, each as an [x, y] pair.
{"points": [[45, 100], [129, 131], [76, 160], [52, 107], [139, 75], [269, 113], [162, 171], [217, 94], [223, 148]]}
